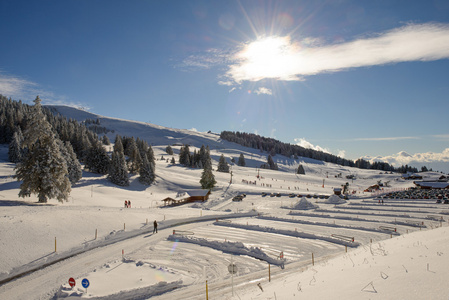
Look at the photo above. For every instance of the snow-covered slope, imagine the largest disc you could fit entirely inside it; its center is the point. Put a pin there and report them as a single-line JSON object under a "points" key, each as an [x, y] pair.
{"points": [[95, 237]]}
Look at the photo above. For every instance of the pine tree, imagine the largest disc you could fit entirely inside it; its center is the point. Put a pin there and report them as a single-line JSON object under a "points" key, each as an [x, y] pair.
{"points": [[73, 165], [173, 162], [241, 161], [207, 180], [43, 170], [223, 165], [184, 155], [169, 150], [118, 173], [300, 170], [147, 175], [97, 159], [16, 152], [105, 140], [118, 145], [272, 165]]}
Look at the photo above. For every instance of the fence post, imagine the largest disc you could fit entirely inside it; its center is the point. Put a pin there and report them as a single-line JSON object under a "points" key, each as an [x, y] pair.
{"points": [[207, 293], [96, 232], [313, 260], [269, 273], [55, 244]]}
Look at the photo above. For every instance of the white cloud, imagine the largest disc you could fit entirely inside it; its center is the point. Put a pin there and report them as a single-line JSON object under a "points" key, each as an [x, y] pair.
{"points": [[437, 161], [25, 90], [303, 143], [341, 153], [263, 90], [211, 58], [15, 87], [281, 58]]}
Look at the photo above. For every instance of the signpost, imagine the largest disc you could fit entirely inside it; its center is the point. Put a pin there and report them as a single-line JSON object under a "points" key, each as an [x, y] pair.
{"points": [[232, 268], [72, 282], [85, 283]]}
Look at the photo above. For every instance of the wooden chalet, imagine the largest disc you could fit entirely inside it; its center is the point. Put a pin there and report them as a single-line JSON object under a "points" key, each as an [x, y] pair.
{"points": [[187, 197]]}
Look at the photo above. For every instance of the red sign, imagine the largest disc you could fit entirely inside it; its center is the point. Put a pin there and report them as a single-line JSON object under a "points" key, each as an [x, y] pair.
{"points": [[72, 282]]}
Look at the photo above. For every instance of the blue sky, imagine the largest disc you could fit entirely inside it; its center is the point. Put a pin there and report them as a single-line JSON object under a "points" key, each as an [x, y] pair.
{"points": [[354, 78]]}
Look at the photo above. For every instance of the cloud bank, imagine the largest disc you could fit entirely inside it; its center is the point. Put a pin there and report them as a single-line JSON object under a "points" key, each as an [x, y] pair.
{"points": [[436, 161], [283, 59]]}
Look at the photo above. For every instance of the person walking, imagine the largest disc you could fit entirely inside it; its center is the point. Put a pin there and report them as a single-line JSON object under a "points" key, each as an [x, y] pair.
{"points": [[154, 226]]}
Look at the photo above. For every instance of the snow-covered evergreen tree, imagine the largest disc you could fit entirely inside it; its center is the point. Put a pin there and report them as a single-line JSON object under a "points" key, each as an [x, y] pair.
{"points": [[43, 171], [97, 159], [16, 152], [272, 165], [105, 140], [147, 174], [300, 170], [207, 180], [241, 161], [118, 145], [169, 150], [73, 165], [118, 173], [223, 165], [184, 155]]}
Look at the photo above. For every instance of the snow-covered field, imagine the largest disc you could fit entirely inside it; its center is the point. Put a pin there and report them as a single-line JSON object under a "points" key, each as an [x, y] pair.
{"points": [[283, 247]]}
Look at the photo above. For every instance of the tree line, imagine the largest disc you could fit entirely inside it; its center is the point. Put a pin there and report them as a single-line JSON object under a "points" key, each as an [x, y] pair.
{"points": [[274, 147]]}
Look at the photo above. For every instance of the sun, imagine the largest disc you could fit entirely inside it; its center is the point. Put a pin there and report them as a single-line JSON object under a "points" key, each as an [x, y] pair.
{"points": [[268, 57]]}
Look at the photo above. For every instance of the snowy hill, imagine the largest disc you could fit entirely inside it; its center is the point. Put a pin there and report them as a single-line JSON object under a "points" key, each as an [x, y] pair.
{"points": [[390, 246]]}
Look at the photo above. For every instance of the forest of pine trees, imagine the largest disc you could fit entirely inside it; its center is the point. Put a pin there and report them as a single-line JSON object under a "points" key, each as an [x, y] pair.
{"points": [[69, 142], [274, 147]]}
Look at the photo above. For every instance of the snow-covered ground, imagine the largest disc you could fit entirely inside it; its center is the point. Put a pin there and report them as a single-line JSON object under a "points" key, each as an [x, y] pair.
{"points": [[361, 249]]}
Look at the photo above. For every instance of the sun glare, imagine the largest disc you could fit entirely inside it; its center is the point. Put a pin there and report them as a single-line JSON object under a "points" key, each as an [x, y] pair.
{"points": [[269, 57]]}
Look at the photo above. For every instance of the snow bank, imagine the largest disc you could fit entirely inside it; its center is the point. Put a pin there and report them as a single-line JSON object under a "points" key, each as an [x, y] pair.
{"points": [[396, 222], [304, 204], [228, 247], [140, 293], [328, 224], [290, 233], [334, 199]]}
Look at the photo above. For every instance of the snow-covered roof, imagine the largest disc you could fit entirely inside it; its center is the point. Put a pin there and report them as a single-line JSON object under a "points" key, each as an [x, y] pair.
{"points": [[432, 184], [197, 193]]}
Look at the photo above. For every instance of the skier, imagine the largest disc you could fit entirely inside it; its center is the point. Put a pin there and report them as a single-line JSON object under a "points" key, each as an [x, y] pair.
{"points": [[126, 203], [129, 203], [154, 226]]}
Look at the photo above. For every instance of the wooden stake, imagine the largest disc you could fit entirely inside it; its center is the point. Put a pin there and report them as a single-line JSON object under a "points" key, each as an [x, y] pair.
{"points": [[269, 273], [96, 233], [313, 260], [55, 244], [207, 293]]}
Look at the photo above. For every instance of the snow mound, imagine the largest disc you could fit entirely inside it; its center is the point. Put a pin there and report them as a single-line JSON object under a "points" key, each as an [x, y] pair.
{"points": [[334, 199], [304, 204]]}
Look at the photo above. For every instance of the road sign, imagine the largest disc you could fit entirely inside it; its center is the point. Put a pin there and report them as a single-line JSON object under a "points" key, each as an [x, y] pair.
{"points": [[72, 282], [85, 283], [232, 268]]}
